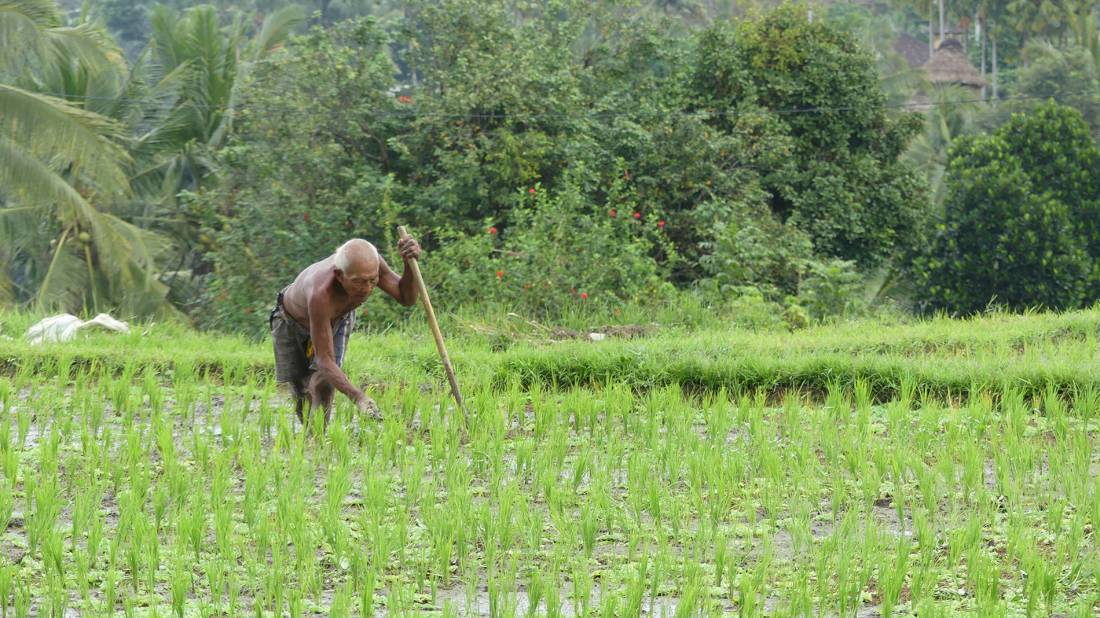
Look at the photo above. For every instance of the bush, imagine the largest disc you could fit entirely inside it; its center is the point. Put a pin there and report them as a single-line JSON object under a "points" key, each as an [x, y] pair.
{"points": [[832, 289], [750, 247], [1020, 219], [553, 252], [841, 183]]}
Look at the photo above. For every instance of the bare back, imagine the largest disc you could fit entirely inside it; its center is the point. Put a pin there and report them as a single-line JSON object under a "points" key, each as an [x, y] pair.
{"points": [[317, 278]]}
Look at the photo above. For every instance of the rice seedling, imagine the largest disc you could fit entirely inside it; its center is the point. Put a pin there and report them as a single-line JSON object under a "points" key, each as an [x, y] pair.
{"points": [[23, 420], [6, 580], [176, 489]]}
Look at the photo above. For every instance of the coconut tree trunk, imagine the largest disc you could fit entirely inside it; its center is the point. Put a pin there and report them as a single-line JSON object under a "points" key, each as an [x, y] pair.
{"points": [[994, 43], [410, 14], [982, 37]]}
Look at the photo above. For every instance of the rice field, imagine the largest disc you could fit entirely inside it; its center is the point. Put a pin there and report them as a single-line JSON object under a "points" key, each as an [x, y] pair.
{"points": [[936, 469]]}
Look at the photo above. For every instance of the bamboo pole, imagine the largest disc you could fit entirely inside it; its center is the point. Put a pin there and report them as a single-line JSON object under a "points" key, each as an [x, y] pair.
{"points": [[423, 290]]}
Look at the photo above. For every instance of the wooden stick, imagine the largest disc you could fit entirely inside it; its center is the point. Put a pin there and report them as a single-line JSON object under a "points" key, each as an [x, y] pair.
{"points": [[423, 289]]}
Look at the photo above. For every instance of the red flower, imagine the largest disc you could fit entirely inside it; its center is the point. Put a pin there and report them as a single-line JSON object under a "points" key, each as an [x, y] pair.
{"points": [[500, 274], [492, 230], [531, 190], [406, 99], [305, 217], [637, 215], [661, 224], [584, 295], [613, 212]]}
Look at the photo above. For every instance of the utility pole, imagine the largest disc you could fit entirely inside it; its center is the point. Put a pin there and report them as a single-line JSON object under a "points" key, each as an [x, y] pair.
{"points": [[979, 33], [994, 68], [941, 22]]}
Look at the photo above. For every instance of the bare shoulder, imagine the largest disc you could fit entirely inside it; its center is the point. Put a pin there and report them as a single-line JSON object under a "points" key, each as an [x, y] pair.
{"points": [[310, 293]]}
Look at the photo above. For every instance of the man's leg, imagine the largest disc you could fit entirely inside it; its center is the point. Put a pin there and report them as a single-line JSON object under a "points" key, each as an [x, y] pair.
{"points": [[291, 364], [301, 398], [321, 394]]}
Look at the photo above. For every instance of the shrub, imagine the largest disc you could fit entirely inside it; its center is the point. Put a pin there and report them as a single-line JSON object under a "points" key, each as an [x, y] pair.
{"points": [[553, 252], [841, 183], [1020, 218]]}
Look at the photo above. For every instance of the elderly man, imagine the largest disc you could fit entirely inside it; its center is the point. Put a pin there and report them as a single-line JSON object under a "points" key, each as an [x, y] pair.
{"points": [[314, 316]]}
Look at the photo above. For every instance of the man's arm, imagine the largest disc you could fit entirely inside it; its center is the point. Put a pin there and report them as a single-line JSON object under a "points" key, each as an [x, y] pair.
{"points": [[320, 331], [404, 288]]}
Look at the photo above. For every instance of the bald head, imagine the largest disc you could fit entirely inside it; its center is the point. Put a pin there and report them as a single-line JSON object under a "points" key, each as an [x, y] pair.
{"points": [[356, 263], [356, 255]]}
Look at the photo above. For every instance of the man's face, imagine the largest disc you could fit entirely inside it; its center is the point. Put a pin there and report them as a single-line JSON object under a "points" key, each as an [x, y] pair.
{"points": [[360, 279]]}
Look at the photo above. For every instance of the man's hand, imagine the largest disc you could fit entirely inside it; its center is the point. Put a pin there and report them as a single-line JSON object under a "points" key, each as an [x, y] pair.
{"points": [[408, 248], [366, 404]]}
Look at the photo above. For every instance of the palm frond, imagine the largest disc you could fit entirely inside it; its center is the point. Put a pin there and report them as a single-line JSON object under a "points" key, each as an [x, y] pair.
{"points": [[48, 127], [22, 24], [43, 13], [32, 182], [90, 45], [126, 257], [149, 96], [66, 278], [26, 179], [125, 254], [215, 59], [276, 29], [167, 38], [121, 245], [156, 123], [33, 40]]}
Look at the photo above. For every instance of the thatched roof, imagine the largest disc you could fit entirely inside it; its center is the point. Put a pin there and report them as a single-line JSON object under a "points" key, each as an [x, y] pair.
{"points": [[949, 65], [914, 50]]}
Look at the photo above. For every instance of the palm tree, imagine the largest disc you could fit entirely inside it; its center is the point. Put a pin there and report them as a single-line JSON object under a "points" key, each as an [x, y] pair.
{"points": [[1083, 19], [214, 63], [59, 164], [205, 64], [952, 114], [109, 140]]}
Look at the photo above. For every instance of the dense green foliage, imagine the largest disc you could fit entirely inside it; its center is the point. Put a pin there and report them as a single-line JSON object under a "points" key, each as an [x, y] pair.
{"points": [[1069, 75], [1022, 216], [546, 163], [841, 183], [551, 158]]}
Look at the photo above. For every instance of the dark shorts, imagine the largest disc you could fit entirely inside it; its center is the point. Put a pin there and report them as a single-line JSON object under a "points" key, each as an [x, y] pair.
{"points": [[294, 358]]}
